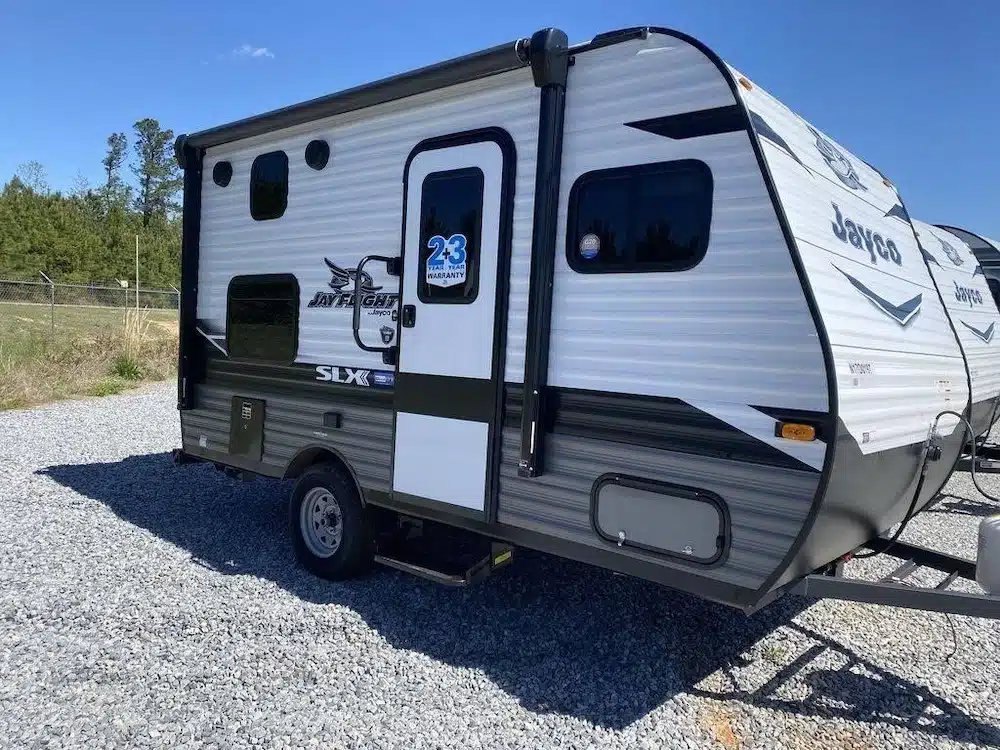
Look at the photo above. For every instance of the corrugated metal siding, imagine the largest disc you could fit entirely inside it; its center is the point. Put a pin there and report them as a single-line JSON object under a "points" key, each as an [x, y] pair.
{"points": [[916, 370], [736, 328], [767, 505], [291, 424], [353, 207]]}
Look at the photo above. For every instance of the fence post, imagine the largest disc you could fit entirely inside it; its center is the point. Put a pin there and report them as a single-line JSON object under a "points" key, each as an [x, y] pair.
{"points": [[52, 303], [178, 292]]}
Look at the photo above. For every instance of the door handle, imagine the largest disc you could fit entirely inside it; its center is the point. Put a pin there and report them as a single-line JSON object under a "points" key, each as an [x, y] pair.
{"points": [[408, 317]]}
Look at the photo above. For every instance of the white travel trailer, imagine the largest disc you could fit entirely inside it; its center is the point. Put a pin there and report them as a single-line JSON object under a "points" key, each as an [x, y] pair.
{"points": [[611, 301], [987, 252], [973, 312]]}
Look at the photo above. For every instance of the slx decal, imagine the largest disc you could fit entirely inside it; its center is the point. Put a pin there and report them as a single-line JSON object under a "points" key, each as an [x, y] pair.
{"points": [[353, 376]]}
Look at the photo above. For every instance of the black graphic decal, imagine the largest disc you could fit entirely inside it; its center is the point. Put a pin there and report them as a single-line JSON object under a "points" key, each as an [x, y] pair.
{"points": [[985, 336], [898, 212], [902, 314], [768, 133]]}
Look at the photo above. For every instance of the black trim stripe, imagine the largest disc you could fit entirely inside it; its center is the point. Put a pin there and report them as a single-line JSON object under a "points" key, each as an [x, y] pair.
{"points": [[696, 124], [299, 380], [190, 358], [666, 424], [449, 397]]}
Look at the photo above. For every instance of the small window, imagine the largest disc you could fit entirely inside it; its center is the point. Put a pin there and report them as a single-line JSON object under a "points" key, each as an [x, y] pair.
{"points": [[451, 217], [317, 154], [269, 186], [651, 217], [263, 318], [222, 173]]}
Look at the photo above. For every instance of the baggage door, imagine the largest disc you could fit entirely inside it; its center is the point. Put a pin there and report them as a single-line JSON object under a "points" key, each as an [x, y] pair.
{"points": [[456, 239]]}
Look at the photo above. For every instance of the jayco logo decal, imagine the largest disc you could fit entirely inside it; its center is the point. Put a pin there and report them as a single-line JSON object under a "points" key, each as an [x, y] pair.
{"points": [[966, 294], [837, 162], [373, 299], [951, 252], [849, 231]]}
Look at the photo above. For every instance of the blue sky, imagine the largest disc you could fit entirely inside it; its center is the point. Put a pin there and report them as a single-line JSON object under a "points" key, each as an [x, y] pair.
{"points": [[911, 89]]}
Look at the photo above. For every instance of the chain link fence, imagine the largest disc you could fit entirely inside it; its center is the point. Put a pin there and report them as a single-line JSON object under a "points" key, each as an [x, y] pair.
{"points": [[30, 304]]}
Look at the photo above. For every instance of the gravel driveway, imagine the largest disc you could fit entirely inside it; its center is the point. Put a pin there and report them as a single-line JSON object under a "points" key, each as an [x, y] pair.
{"points": [[143, 604]]}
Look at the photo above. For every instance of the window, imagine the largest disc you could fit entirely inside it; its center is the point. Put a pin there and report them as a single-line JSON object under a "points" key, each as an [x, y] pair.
{"points": [[222, 173], [263, 318], [317, 154], [651, 217], [269, 186], [451, 217]]}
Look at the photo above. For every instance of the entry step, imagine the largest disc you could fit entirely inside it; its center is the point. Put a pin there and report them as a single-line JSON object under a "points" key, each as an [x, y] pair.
{"points": [[445, 559]]}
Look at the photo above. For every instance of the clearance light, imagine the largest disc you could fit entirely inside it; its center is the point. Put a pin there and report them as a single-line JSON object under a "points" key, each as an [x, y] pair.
{"points": [[795, 431], [746, 84]]}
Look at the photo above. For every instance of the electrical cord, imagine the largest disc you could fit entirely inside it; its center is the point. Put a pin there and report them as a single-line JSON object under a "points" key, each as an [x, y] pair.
{"points": [[911, 511], [972, 446]]}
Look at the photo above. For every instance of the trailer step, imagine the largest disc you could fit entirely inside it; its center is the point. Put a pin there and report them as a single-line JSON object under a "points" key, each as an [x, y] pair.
{"points": [[499, 556]]}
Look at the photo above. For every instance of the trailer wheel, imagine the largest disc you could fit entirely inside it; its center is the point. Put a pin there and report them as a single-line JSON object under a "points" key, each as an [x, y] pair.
{"points": [[330, 532]]}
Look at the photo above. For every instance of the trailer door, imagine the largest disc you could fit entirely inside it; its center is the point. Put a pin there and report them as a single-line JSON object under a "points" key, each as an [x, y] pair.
{"points": [[456, 237]]}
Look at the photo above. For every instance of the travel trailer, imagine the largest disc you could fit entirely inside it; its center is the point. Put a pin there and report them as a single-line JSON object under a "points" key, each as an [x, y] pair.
{"points": [[967, 298], [987, 252], [610, 301]]}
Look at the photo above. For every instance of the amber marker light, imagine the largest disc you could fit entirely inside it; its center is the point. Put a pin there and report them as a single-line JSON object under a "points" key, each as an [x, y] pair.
{"points": [[796, 431]]}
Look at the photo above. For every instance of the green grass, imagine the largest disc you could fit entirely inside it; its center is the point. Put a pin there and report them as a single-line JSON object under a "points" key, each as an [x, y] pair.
{"points": [[19, 321], [108, 386], [93, 351]]}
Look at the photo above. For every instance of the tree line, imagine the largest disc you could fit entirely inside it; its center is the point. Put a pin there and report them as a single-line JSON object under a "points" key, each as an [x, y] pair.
{"points": [[87, 234]]}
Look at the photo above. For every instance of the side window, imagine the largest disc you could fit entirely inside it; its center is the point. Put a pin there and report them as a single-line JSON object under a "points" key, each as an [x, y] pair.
{"points": [[269, 186], [650, 217], [451, 218], [262, 318]]}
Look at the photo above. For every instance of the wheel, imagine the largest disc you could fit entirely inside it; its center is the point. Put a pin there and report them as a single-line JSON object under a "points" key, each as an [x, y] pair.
{"points": [[330, 531]]}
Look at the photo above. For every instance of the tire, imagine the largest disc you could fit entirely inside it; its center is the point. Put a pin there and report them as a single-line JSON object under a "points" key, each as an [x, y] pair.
{"points": [[330, 530]]}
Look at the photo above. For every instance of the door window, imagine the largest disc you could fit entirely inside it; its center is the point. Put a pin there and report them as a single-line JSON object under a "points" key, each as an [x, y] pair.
{"points": [[451, 217]]}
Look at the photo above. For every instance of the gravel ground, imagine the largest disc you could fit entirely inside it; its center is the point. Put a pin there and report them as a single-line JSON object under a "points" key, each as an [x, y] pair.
{"points": [[143, 605]]}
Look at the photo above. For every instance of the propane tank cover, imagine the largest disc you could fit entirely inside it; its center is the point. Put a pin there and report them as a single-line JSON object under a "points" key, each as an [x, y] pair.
{"points": [[988, 558]]}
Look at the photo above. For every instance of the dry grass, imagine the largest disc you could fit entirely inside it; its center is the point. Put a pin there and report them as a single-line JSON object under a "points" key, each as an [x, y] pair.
{"points": [[95, 356]]}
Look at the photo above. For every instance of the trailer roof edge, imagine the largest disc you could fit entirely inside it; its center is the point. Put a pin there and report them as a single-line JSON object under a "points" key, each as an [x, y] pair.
{"points": [[492, 61]]}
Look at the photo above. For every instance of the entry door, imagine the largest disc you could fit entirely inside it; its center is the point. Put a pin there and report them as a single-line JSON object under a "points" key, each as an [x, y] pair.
{"points": [[449, 378]]}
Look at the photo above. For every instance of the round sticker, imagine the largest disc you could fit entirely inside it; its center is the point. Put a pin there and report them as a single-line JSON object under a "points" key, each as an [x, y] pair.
{"points": [[590, 246]]}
